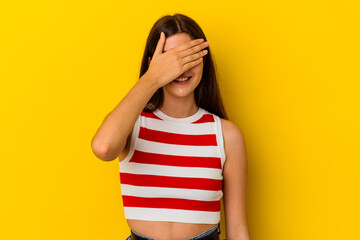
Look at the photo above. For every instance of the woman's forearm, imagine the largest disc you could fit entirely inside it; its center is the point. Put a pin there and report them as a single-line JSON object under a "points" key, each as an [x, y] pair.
{"points": [[110, 139]]}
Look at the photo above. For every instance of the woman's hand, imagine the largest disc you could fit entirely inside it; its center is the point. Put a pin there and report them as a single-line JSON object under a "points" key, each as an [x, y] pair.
{"points": [[166, 67]]}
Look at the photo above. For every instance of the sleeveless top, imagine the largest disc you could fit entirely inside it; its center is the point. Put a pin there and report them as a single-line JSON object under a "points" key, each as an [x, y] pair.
{"points": [[174, 169]]}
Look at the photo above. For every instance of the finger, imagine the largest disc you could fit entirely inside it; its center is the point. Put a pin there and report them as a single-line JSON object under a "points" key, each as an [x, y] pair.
{"points": [[160, 45], [195, 56], [192, 64], [189, 44], [193, 49]]}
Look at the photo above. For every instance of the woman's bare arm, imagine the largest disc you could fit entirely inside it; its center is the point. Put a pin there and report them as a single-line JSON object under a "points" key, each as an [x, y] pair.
{"points": [[110, 139], [235, 176]]}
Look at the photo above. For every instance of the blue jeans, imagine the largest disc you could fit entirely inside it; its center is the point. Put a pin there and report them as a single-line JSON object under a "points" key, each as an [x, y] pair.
{"points": [[206, 233]]}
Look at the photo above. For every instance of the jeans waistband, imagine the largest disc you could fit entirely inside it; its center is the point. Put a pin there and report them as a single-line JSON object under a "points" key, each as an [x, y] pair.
{"points": [[209, 234]]}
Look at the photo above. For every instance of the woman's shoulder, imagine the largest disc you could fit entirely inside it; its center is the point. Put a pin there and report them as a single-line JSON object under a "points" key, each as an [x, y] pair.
{"points": [[231, 132]]}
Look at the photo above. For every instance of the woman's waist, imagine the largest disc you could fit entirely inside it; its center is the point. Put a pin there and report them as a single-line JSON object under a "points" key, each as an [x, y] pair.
{"points": [[168, 230]]}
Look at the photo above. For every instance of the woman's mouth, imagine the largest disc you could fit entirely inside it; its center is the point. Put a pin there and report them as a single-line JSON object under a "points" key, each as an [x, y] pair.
{"points": [[182, 80]]}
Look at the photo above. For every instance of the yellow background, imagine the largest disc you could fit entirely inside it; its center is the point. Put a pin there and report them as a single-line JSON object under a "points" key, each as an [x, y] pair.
{"points": [[289, 74]]}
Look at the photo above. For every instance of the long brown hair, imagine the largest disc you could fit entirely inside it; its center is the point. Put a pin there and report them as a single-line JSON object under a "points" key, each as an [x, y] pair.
{"points": [[207, 94]]}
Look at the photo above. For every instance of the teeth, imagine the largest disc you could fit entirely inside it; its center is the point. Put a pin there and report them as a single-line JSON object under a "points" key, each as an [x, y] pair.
{"points": [[181, 79]]}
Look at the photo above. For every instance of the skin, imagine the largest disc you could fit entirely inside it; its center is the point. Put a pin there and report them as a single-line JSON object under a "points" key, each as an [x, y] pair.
{"points": [[179, 102]]}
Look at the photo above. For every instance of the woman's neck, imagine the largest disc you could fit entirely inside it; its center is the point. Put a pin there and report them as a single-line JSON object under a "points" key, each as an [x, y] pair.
{"points": [[179, 107]]}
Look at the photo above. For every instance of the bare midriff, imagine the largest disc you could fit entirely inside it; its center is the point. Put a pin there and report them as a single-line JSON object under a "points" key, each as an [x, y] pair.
{"points": [[168, 230]]}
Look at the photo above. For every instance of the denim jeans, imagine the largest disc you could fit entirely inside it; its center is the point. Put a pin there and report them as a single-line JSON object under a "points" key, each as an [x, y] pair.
{"points": [[206, 233]]}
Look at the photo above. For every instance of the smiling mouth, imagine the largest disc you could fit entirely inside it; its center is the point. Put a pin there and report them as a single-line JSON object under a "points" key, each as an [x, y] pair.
{"points": [[182, 79]]}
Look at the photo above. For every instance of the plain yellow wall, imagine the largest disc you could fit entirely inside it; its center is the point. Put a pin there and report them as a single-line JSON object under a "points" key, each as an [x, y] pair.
{"points": [[289, 74]]}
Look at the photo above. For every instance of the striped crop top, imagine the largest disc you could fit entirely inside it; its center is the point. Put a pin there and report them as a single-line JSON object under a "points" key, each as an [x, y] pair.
{"points": [[173, 171]]}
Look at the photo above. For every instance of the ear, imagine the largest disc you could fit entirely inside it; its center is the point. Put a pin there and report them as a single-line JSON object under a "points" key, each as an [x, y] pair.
{"points": [[149, 60]]}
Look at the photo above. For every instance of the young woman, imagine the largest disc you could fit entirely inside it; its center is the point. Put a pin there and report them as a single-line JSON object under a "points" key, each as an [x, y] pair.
{"points": [[178, 153]]}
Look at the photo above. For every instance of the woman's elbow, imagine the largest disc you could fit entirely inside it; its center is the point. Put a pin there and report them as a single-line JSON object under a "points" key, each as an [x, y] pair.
{"points": [[102, 152]]}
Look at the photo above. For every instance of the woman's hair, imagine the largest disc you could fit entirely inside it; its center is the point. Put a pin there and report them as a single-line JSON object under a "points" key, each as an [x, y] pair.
{"points": [[207, 93]]}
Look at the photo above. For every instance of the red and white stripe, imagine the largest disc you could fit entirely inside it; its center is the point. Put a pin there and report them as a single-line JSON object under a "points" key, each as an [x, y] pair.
{"points": [[173, 171]]}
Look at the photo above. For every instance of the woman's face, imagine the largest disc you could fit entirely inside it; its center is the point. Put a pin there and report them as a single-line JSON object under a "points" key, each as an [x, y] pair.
{"points": [[182, 89]]}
